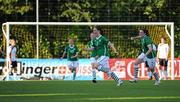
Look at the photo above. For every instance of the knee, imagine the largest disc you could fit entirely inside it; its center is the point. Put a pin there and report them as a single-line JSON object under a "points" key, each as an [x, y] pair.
{"points": [[92, 64], [96, 65], [135, 64]]}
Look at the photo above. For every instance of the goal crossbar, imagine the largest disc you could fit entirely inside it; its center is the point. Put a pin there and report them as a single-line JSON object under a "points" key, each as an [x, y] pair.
{"points": [[90, 23]]}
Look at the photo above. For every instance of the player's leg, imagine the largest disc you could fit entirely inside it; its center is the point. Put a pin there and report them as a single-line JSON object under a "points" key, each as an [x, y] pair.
{"points": [[70, 66], [75, 66], [14, 70], [103, 65], [149, 73], [161, 68], [152, 64], [139, 60], [74, 73], [165, 69], [93, 60], [5, 73]]}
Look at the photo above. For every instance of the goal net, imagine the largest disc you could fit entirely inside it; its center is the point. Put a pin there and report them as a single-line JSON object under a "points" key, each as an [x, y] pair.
{"points": [[46, 40]]}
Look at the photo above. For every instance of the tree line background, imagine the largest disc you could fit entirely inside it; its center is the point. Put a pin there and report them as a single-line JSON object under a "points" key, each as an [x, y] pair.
{"points": [[52, 39]]}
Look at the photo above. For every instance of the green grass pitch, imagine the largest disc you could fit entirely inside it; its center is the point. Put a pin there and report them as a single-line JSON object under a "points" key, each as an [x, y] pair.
{"points": [[85, 91]]}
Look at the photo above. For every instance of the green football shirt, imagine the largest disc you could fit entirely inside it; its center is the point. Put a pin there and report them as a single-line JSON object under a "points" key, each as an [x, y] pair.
{"points": [[71, 51], [101, 46], [145, 41]]}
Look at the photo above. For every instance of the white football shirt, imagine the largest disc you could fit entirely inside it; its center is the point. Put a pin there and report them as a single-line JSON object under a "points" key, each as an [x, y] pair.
{"points": [[163, 50]]}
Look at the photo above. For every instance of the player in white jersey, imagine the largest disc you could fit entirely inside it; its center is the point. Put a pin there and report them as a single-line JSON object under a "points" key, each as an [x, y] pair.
{"points": [[12, 54], [12, 59], [162, 56]]}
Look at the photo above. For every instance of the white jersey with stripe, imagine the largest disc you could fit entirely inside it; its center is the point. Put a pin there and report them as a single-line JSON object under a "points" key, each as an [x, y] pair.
{"points": [[12, 53]]}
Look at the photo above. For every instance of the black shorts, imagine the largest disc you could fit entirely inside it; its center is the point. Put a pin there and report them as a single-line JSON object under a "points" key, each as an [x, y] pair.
{"points": [[163, 62], [146, 64], [14, 64]]}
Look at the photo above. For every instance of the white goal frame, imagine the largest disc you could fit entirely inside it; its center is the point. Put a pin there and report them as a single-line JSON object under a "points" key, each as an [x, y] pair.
{"points": [[166, 24]]}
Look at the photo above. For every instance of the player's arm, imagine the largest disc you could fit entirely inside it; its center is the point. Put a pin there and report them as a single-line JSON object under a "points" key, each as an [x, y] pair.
{"points": [[149, 49], [167, 51], [76, 55], [64, 53], [88, 49], [77, 52], [136, 37], [111, 45], [158, 52]]}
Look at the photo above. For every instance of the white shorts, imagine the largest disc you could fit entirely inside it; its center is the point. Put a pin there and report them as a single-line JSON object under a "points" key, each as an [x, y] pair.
{"points": [[142, 56], [73, 64], [93, 60], [103, 61], [150, 61]]}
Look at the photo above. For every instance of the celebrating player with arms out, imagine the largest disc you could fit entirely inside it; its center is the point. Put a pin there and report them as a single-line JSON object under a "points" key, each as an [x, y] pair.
{"points": [[100, 45], [72, 56], [148, 54]]}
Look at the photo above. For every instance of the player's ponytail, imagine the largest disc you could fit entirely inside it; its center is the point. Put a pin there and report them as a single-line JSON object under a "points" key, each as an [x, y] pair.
{"points": [[146, 32]]}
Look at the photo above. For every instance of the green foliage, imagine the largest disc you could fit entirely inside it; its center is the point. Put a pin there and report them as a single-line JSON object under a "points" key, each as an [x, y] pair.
{"points": [[53, 39], [14, 6], [26, 40], [76, 11]]}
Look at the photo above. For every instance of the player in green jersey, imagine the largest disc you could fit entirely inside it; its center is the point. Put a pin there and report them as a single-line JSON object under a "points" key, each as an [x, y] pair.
{"points": [[100, 45], [93, 56], [72, 56], [148, 54]]}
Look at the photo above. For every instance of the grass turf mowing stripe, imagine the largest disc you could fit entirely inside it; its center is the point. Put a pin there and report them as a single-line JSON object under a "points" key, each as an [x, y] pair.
{"points": [[133, 98], [51, 94]]}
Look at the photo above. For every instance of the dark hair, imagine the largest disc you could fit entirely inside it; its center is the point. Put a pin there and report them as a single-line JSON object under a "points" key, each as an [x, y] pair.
{"points": [[145, 31], [99, 28], [12, 38]]}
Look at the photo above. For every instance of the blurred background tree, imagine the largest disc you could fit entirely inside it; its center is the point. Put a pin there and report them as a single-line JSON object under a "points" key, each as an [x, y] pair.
{"points": [[54, 38]]}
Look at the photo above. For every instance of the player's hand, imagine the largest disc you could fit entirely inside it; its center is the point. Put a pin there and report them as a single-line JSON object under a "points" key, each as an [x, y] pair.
{"points": [[85, 49], [96, 57], [166, 59], [73, 56], [116, 53], [157, 60], [132, 38], [10, 62]]}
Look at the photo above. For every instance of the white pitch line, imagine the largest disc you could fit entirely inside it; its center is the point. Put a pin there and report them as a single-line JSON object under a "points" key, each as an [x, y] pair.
{"points": [[134, 98], [49, 94]]}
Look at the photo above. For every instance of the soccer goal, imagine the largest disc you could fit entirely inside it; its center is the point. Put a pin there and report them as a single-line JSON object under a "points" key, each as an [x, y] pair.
{"points": [[47, 39]]}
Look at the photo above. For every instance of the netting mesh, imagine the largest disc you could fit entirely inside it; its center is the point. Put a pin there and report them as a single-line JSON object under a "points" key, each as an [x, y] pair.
{"points": [[53, 39]]}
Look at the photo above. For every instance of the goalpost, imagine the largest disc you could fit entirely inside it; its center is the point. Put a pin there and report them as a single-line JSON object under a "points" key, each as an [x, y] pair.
{"points": [[165, 25]]}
